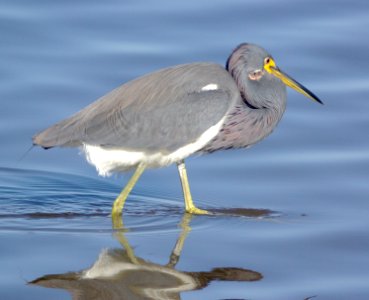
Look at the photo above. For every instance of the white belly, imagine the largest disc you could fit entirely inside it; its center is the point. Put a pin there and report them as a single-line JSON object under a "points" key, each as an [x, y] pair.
{"points": [[107, 161]]}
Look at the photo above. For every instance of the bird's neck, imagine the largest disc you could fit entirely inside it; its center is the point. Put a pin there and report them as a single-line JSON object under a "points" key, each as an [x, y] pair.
{"points": [[246, 125]]}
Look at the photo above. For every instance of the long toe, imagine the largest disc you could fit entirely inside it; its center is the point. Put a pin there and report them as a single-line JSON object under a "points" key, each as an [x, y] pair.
{"points": [[198, 211]]}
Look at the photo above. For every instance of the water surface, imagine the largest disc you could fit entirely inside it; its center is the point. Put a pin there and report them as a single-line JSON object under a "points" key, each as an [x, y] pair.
{"points": [[292, 212]]}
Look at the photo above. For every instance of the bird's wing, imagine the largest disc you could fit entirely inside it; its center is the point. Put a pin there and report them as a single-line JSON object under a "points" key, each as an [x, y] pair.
{"points": [[161, 111]]}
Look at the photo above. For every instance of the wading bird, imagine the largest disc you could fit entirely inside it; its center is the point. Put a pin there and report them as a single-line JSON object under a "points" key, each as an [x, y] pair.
{"points": [[166, 116]]}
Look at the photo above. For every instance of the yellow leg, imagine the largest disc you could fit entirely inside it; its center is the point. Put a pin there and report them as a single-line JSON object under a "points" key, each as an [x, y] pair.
{"points": [[190, 207], [121, 199]]}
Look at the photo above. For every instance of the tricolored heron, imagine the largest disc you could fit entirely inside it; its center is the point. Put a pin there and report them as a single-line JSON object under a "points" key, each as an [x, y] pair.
{"points": [[164, 117]]}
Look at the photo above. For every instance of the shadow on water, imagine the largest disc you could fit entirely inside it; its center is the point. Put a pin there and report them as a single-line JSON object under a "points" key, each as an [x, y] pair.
{"points": [[39, 201], [120, 274]]}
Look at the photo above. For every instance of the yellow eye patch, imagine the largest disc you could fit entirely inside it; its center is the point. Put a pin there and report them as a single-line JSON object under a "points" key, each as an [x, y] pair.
{"points": [[268, 64]]}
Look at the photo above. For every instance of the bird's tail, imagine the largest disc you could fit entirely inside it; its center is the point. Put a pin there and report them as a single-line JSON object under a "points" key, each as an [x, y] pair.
{"points": [[62, 134]]}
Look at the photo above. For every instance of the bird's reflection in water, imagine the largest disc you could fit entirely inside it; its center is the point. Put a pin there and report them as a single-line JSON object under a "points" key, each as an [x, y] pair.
{"points": [[119, 274]]}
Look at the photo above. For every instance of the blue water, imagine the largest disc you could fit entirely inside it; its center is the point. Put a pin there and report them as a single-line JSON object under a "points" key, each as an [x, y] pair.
{"points": [[292, 218]]}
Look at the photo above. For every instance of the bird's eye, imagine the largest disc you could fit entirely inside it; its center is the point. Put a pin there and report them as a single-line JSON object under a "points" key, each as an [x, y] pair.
{"points": [[267, 61], [256, 75]]}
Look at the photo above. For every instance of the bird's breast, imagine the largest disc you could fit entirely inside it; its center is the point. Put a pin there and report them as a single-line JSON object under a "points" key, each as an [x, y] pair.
{"points": [[243, 127]]}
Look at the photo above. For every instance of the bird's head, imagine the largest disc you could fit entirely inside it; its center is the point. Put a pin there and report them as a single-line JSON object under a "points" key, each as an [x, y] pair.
{"points": [[259, 79]]}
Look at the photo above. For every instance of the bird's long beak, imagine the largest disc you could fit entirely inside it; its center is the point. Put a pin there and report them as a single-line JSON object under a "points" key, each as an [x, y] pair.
{"points": [[271, 67]]}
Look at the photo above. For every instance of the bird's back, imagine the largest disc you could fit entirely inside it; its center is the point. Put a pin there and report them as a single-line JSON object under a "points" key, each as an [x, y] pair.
{"points": [[161, 111]]}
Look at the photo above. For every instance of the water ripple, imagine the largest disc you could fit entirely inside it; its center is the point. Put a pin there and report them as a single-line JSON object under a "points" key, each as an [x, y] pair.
{"points": [[36, 200], [45, 201]]}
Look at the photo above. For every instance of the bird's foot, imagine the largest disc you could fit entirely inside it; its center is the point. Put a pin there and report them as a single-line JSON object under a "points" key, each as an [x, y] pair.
{"points": [[197, 211]]}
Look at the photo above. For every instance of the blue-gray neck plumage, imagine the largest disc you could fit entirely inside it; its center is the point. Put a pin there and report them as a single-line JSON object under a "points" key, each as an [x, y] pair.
{"points": [[260, 106]]}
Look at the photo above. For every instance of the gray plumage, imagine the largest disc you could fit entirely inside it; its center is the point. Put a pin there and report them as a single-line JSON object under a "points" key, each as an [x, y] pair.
{"points": [[165, 110], [161, 111]]}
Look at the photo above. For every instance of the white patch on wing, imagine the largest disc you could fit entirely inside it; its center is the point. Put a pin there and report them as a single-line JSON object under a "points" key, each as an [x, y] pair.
{"points": [[210, 87], [107, 160]]}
